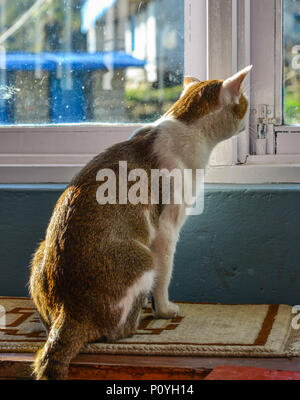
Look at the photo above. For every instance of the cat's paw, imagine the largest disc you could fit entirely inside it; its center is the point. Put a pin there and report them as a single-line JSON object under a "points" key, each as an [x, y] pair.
{"points": [[171, 310]]}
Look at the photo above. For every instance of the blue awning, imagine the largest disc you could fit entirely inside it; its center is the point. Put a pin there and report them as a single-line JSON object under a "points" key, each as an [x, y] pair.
{"points": [[93, 10], [76, 61], [26, 61]]}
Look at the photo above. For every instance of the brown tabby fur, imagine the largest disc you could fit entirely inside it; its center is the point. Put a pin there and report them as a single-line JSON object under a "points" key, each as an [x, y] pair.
{"points": [[74, 277], [199, 100]]}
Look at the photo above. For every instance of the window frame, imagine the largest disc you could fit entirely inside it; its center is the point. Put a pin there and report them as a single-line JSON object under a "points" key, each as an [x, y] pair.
{"points": [[282, 140], [54, 154], [281, 163], [287, 136], [229, 26]]}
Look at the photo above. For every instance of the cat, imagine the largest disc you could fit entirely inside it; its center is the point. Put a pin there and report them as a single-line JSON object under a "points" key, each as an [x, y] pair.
{"points": [[98, 263]]}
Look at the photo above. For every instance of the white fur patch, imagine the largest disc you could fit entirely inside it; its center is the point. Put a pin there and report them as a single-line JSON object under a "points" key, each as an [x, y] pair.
{"points": [[141, 285]]}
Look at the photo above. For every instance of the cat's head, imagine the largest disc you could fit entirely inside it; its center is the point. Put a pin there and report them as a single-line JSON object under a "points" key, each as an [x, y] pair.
{"points": [[220, 104]]}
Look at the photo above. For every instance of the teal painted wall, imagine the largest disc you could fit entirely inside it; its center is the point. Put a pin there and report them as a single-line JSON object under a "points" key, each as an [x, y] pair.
{"points": [[244, 248]]}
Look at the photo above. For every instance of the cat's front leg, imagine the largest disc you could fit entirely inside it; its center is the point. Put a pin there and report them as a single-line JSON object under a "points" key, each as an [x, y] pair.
{"points": [[163, 249], [166, 309]]}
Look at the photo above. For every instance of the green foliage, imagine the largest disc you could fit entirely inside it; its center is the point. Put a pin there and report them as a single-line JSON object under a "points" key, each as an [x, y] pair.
{"points": [[146, 104], [292, 110], [149, 94]]}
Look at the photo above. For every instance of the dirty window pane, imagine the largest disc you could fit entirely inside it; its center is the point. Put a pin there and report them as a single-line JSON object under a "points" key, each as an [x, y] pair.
{"points": [[292, 62], [75, 61]]}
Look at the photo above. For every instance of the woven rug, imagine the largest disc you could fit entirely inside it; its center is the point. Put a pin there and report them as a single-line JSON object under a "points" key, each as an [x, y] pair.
{"points": [[201, 330]]}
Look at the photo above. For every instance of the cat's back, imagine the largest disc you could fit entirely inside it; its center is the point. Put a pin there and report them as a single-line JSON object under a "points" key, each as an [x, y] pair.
{"points": [[138, 152], [79, 218]]}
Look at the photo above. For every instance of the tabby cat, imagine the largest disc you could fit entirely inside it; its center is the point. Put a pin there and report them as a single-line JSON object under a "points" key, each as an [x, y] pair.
{"points": [[99, 262]]}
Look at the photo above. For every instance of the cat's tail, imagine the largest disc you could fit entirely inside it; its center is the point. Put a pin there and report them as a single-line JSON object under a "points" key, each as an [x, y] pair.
{"points": [[66, 337]]}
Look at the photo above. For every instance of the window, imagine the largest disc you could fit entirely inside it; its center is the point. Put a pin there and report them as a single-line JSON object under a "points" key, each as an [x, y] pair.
{"points": [[269, 150], [75, 61], [275, 102]]}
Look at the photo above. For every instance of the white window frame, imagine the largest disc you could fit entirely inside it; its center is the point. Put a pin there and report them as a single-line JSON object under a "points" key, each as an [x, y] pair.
{"points": [[283, 141], [277, 158], [53, 154], [229, 51]]}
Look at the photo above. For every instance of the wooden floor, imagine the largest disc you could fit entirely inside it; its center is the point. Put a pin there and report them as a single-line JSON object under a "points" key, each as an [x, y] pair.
{"points": [[115, 367]]}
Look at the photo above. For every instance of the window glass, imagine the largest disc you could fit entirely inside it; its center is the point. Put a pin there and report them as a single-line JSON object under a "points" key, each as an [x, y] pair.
{"points": [[292, 62], [76, 61]]}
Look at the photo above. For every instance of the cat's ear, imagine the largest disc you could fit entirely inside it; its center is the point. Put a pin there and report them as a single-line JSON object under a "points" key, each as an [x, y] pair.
{"points": [[231, 89], [189, 79]]}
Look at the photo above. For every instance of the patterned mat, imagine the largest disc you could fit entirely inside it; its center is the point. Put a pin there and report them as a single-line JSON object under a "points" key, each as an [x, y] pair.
{"points": [[201, 330]]}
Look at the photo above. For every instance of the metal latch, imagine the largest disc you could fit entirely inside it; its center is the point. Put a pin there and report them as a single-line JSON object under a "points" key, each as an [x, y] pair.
{"points": [[265, 124]]}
